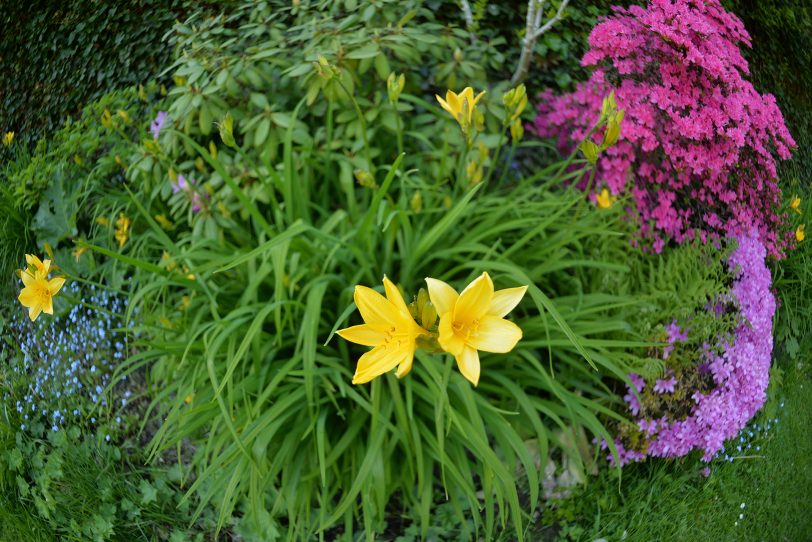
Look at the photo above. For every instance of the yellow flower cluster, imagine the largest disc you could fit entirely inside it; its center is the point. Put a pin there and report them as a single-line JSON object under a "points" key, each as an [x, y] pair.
{"points": [[469, 322], [8, 138], [795, 205], [38, 290], [122, 229], [462, 107]]}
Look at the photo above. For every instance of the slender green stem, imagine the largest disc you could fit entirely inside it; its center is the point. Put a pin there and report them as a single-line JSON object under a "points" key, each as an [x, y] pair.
{"points": [[363, 126], [496, 155], [399, 129]]}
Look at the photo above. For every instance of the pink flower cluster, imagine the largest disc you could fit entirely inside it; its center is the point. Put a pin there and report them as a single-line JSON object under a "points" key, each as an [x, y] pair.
{"points": [[740, 373], [698, 142]]}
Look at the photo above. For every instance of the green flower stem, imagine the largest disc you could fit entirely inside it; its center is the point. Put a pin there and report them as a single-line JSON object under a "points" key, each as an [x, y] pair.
{"points": [[363, 126]]}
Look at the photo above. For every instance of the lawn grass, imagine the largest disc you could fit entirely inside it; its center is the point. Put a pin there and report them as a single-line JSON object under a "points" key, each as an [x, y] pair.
{"points": [[672, 500]]}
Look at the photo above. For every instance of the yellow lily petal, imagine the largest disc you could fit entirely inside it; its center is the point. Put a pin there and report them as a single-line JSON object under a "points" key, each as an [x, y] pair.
{"points": [[374, 308], [27, 297], [506, 300], [478, 97], [444, 104], [26, 277], [468, 364], [34, 311], [405, 366], [474, 300], [55, 284], [604, 199], [378, 361], [442, 296], [495, 334], [394, 297], [48, 306], [364, 334], [450, 341], [454, 102], [41, 267]]}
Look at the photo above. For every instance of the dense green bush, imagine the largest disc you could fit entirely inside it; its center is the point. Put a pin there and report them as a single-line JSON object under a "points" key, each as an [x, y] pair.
{"points": [[57, 56], [48, 193], [312, 196]]}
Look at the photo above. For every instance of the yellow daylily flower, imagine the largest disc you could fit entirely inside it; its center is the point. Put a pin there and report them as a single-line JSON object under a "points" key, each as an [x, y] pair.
{"points": [[474, 320], [36, 266], [795, 204], [388, 328], [800, 235], [461, 106], [604, 199], [8, 138], [38, 291], [122, 229]]}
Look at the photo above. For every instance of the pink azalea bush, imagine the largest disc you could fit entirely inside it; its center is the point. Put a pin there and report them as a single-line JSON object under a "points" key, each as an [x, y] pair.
{"points": [[738, 374], [698, 142]]}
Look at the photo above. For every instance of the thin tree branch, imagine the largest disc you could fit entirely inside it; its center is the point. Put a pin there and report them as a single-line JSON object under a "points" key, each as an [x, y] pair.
{"points": [[534, 30], [469, 18]]}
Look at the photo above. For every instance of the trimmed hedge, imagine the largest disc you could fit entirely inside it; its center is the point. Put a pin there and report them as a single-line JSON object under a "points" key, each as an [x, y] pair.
{"points": [[780, 59], [57, 56]]}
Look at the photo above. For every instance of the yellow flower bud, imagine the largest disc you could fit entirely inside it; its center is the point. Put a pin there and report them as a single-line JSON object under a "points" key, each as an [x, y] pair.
{"points": [[516, 130], [365, 178], [226, 127], [394, 87], [416, 203], [590, 151]]}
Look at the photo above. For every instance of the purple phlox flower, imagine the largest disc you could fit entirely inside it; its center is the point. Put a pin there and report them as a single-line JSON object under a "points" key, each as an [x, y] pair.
{"points": [[675, 334], [638, 381], [158, 124], [665, 385], [630, 398]]}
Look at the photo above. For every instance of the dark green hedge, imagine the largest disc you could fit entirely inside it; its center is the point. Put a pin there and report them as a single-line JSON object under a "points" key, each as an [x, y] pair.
{"points": [[781, 63], [56, 56]]}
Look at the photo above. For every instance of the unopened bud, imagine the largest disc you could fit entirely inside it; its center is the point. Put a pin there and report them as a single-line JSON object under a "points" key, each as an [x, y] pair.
{"points": [[364, 178], [590, 151], [416, 203], [226, 127]]}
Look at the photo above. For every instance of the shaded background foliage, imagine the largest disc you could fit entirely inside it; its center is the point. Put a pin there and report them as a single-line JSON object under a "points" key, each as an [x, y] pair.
{"points": [[782, 47], [57, 56]]}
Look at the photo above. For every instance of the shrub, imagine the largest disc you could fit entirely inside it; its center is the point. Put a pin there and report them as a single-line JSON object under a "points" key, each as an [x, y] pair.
{"points": [[56, 57], [49, 193], [677, 71], [321, 177]]}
